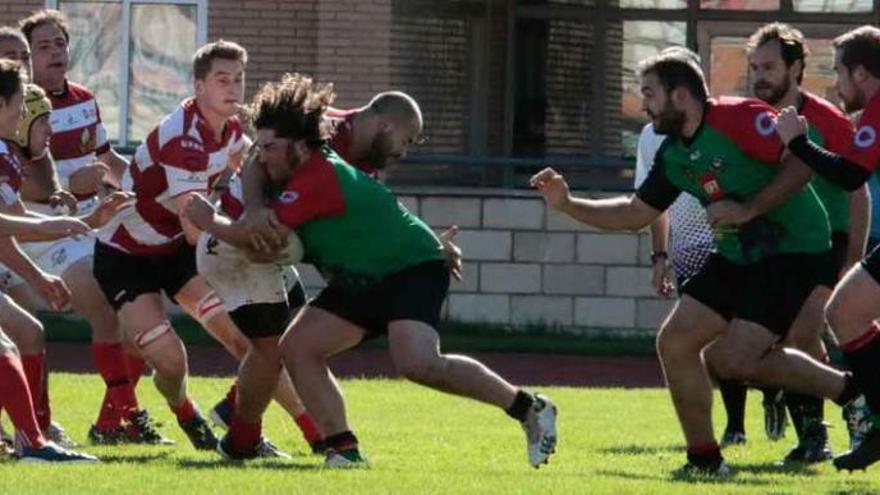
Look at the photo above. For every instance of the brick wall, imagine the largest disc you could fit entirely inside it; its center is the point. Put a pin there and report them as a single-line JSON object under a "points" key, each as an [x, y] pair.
{"points": [[13, 10], [526, 265]]}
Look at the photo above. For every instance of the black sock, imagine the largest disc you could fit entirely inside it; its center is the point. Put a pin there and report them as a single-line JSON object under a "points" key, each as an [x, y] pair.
{"points": [[519, 410], [850, 391], [341, 442], [863, 355], [733, 394], [807, 412]]}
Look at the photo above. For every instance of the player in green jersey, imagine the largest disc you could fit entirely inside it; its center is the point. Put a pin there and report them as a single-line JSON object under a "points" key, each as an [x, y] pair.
{"points": [[771, 232]]}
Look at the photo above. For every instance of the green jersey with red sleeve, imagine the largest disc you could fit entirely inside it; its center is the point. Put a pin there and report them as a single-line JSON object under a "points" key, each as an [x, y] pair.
{"points": [[733, 155], [352, 227]]}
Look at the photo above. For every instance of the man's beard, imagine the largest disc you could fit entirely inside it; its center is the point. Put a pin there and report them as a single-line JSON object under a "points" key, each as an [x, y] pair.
{"points": [[851, 105], [379, 156], [669, 122], [776, 93]]}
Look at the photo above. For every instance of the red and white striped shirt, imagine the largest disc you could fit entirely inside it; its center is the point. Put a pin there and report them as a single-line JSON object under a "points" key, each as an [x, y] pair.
{"points": [[179, 156], [10, 174], [78, 135]]}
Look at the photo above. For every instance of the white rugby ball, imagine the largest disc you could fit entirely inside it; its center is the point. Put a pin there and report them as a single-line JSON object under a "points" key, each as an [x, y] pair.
{"points": [[293, 252]]}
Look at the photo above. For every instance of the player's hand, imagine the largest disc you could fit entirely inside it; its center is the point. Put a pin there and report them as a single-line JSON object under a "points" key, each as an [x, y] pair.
{"points": [[198, 210], [264, 228], [661, 277], [52, 289], [108, 208], [552, 186], [59, 227], [64, 199], [451, 252], [726, 212], [790, 125], [89, 179]]}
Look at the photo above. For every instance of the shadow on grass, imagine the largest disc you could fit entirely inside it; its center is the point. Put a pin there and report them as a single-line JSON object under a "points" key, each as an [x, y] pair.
{"points": [[788, 469], [678, 477], [131, 459], [273, 465], [636, 449]]}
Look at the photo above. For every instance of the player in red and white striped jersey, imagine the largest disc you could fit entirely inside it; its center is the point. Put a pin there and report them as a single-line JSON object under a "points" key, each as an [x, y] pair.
{"points": [[149, 248], [71, 259]]}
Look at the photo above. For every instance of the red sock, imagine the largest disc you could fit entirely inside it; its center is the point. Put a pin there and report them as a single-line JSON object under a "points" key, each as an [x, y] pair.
{"points": [[136, 368], [16, 399], [119, 399], [35, 371], [309, 428], [243, 435], [704, 449], [185, 411], [232, 394]]}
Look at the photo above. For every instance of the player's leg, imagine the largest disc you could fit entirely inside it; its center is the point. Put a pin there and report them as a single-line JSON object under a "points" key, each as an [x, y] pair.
{"points": [[851, 312], [688, 329], [807, 411], [108, 352], [315, 335], [15, 398]]}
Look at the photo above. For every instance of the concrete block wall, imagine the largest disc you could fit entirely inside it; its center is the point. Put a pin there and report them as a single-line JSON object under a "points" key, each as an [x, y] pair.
{"points": [[525, 264]]}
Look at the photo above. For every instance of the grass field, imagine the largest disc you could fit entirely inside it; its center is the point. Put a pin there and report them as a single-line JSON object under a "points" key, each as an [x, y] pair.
{"points": [[420, 441]]}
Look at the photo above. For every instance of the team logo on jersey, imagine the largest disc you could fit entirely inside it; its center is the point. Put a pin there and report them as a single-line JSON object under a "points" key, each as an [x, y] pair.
{"points": [[717, 164], [865, 137], [711, 187], [86, 141], [188, 143], [288, 197], [695, 155], [764, 124]]}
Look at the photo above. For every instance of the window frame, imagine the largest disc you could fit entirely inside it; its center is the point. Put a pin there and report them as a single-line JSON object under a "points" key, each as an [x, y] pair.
{"points": [[123, 71]]}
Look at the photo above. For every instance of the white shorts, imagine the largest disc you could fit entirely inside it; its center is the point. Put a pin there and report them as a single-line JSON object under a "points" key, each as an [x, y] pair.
{"points": [[53, 257], [237, 280]]}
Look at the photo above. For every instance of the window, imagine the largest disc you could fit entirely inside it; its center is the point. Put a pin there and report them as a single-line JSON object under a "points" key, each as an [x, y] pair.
{"points": [[740, 4], [641, 39], [653, 4], [135, 55], [833, 5]]}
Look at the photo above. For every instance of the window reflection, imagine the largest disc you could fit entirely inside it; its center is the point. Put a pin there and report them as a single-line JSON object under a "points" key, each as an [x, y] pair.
{"points": [[641, 39], [94, 57], [653, 4], [161, 63], [833, 5], [740, 4]]}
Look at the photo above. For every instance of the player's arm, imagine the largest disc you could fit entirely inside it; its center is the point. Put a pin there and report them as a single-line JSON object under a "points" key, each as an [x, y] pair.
{"points": [[792, 176], [859, 225], [116, 164], [190, 231], [618, 213], [261, 221], [836, 168], [201, 214]]}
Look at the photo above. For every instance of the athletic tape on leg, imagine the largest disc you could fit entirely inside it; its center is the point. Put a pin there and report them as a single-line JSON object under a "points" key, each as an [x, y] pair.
{"points": [[149, 336], [208, 307]]}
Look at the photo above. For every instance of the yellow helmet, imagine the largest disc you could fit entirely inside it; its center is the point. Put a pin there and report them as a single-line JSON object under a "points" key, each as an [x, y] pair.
{"points": [[36, 104]]}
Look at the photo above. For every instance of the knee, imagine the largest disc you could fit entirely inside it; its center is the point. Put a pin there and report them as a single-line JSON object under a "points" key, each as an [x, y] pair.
{"points": [[295, 348], [419, 369], [728, 364], [32, 338], [835, 313], [672, 341]]}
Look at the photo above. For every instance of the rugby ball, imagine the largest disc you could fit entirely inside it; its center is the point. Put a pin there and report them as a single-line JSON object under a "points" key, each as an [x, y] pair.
{"points": [[293, 252]]}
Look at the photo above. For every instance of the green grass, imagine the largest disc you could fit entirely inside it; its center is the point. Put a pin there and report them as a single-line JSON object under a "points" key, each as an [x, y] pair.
{"points": [[419, 441]]}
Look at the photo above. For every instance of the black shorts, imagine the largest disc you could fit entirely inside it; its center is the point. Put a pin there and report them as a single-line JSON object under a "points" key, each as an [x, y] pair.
{"points": [[830, 270], [769, 293], [123, 276], [262, 319], [296, 296], [415, 293], [871, 263]]}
